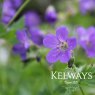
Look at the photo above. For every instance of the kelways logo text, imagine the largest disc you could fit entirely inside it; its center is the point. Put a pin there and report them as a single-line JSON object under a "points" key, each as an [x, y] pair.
{"points": [[71, 75]]}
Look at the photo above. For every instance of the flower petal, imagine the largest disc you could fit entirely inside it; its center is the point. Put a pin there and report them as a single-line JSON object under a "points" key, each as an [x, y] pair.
{"points": [[62, 33], [23, 38], [72, 43], [26, 44], [23, 56], [51, 15], [90, 49], [65, 56], [91, 30], [17, 3], [83, 44], [36, 36], [50, 41], [32, 19], [81, 31], [83, 36], [18, 49], [92, 39], [53, 56], [90, 53]]}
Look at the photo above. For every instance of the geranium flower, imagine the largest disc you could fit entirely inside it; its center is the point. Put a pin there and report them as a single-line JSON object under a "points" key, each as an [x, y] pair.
{"points": [[86, 39], [19, 49], [23, 38], [16, 3], [86, 5], [36, 36], [23, 45], [61, 45], [7, 11], [32, 19], [51, 15]]}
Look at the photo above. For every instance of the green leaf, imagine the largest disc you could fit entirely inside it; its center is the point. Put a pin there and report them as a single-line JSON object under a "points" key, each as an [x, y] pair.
{"points": [[9, 34], [2, 30], [18, 25]]}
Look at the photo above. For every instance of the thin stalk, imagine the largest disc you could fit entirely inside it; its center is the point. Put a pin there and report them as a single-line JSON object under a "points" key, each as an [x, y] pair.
{"points": [[81, 90], [18, 12]]}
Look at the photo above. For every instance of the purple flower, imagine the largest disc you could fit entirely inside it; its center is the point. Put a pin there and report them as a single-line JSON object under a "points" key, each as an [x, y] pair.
{"points": [[32, 19], [86, 5], [36, 36], [60, 44], [86, 39], [20, 50], [7, 12], [9, 9], [16, 3], [23, 38], [23, 45], [51, 15]]}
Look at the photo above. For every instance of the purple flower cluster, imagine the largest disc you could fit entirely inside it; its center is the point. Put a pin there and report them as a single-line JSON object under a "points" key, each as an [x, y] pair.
{"points": [[31, 33], [32, 22], [25, 37], [23, 45], [51, 15], [86, 39], [9, 9], [61, 45], [87, 5]]}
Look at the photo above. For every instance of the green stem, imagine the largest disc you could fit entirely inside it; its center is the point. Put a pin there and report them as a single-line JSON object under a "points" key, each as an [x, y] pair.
{"points": [[81, 90], [18, 12]]}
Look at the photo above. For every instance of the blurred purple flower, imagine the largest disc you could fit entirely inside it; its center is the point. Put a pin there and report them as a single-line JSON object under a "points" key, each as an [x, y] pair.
{"points": [[61, 45], [23, 38], [20, 50], [36, 36], [86, 5], [7, 11], [32, 19], [23, 45], [16, 3], [51, 15], [86, 38]]}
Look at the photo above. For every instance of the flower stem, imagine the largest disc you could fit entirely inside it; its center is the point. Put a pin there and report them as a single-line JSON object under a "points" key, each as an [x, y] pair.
{"points": [[81, 90], [18, 12]]}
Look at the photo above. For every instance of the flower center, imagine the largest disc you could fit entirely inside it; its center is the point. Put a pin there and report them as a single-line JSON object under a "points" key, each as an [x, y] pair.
{"points": [[63, 46]]}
